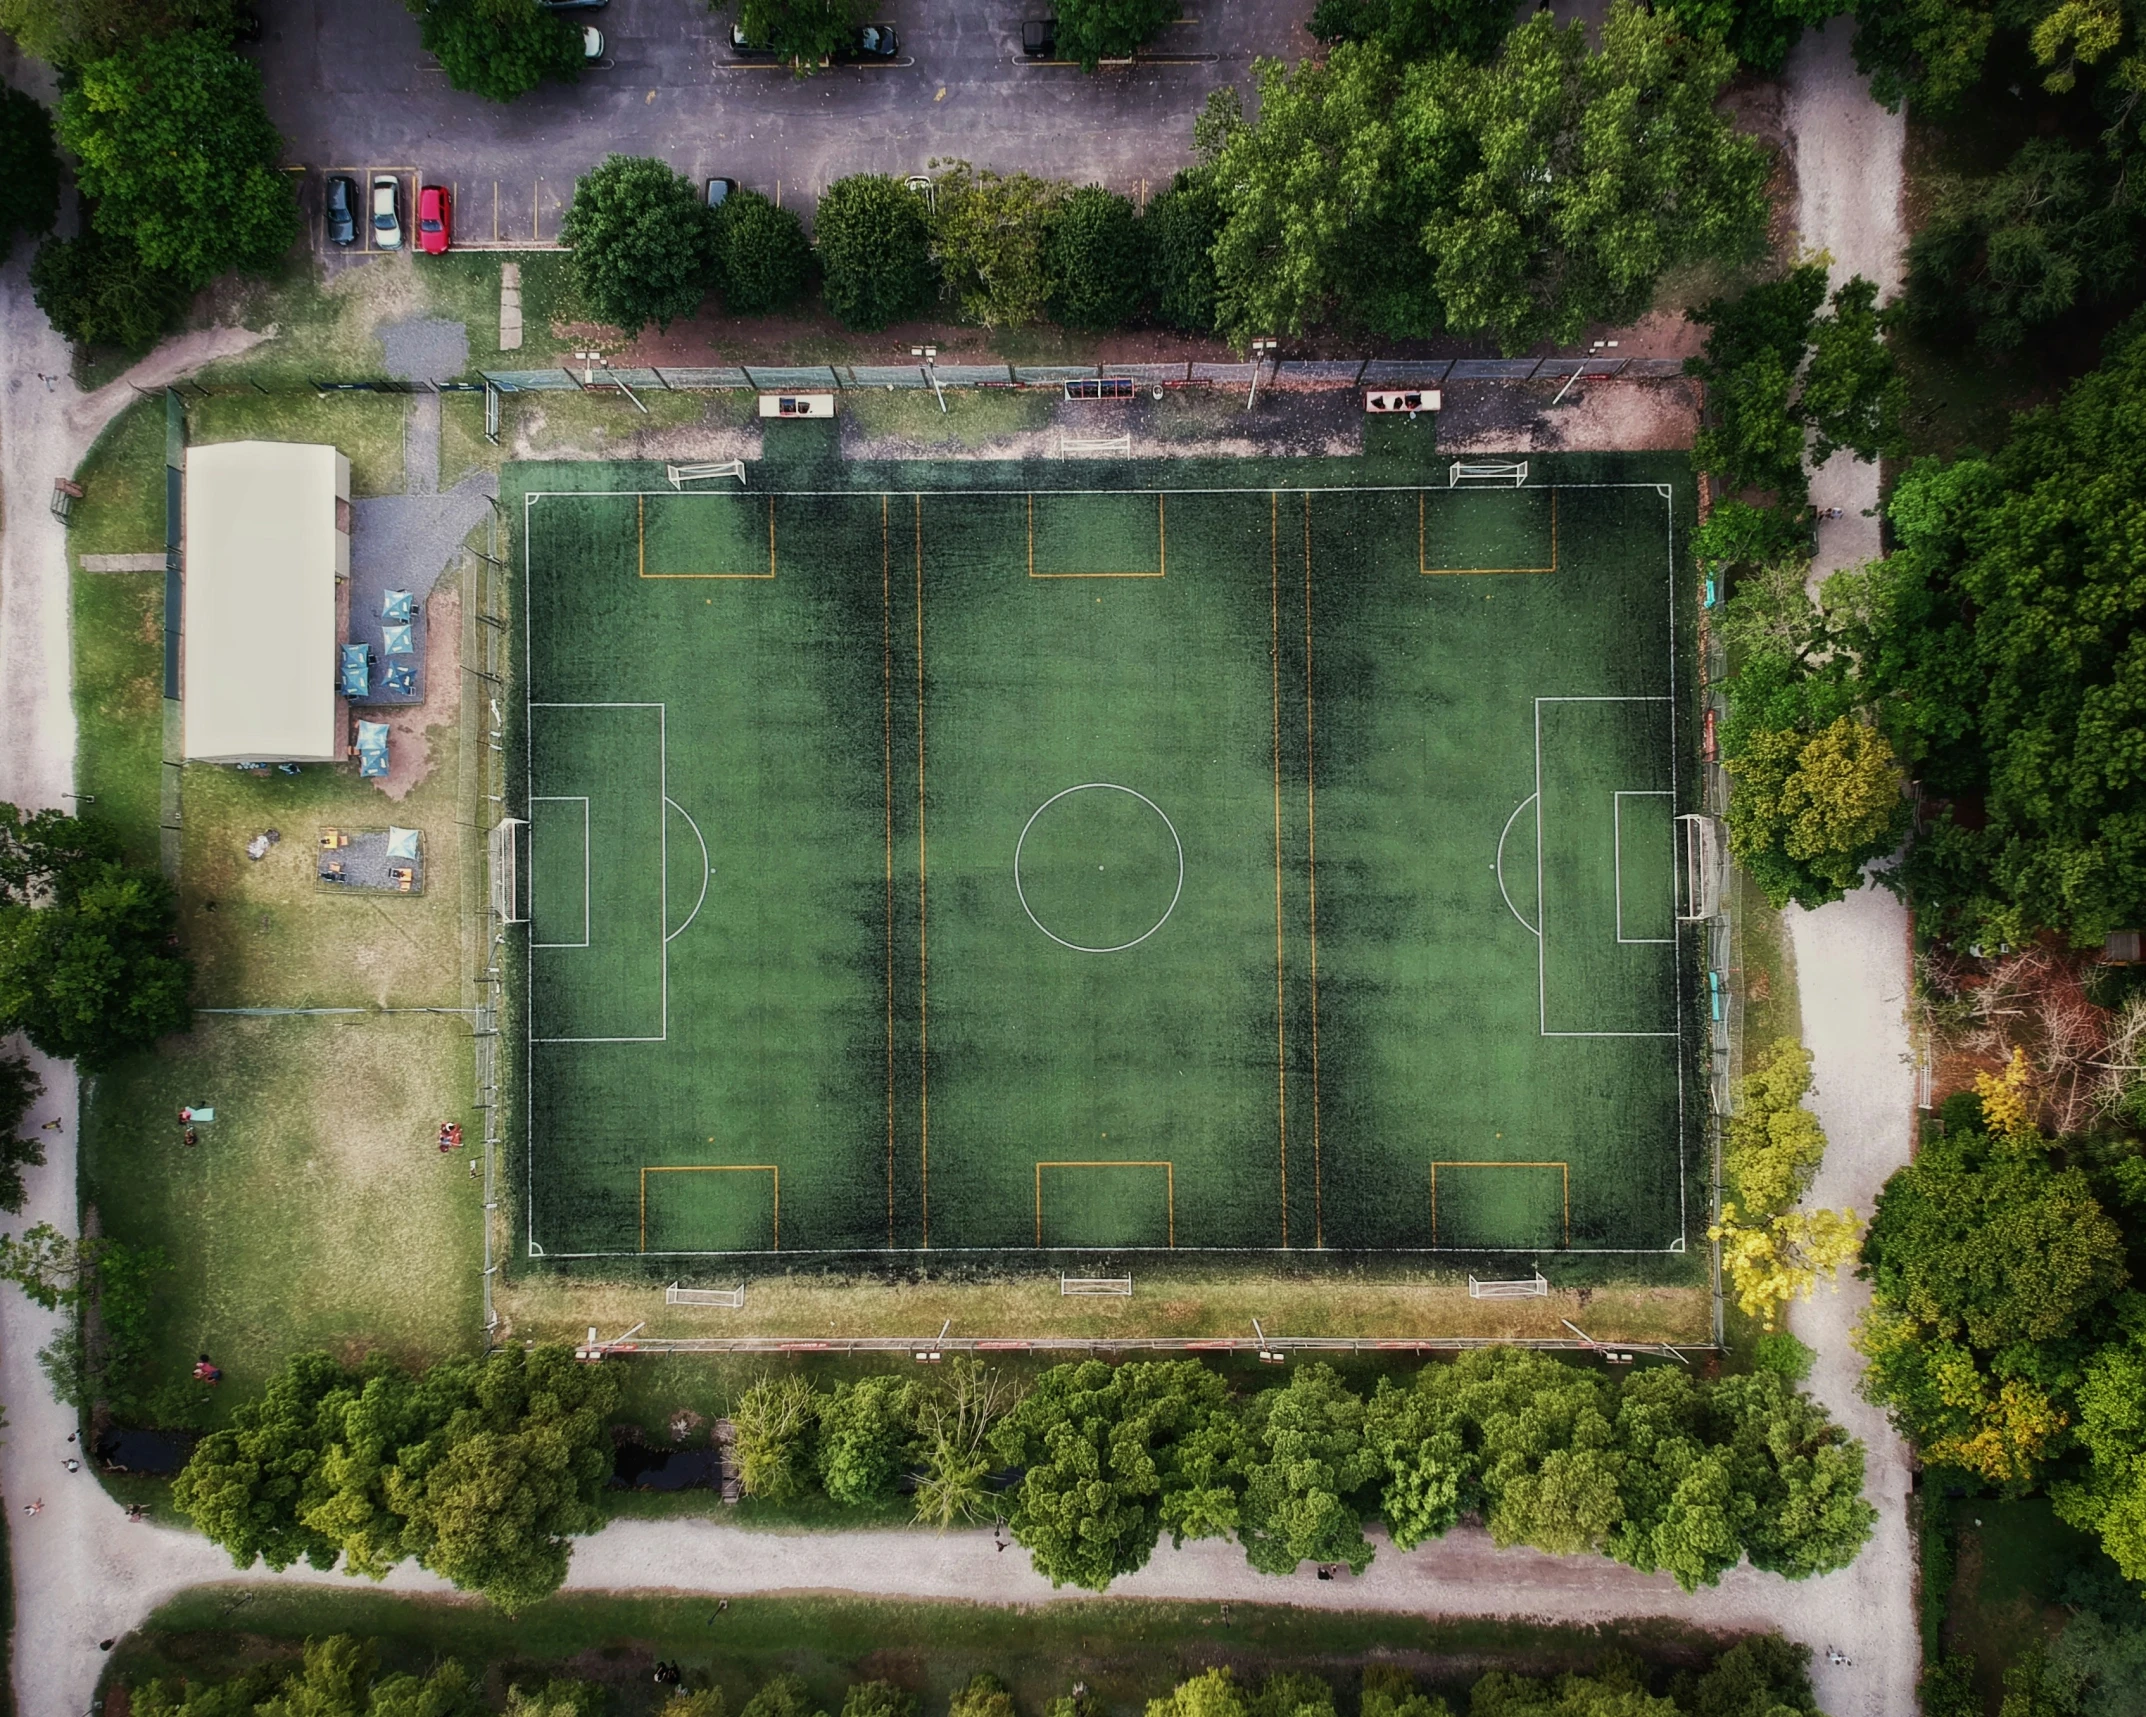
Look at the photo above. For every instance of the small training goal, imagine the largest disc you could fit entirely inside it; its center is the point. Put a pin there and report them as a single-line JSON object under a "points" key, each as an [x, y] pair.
{"points": [[681, 475], [1703, 863], [1071, 446], [1487, 474], [506, 890], [732, 1299], [1121, 1286], [1535, 1287]]}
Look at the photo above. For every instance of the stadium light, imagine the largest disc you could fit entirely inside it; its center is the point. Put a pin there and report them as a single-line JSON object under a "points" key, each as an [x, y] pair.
{"points": [[1260, 351], [931, 372]]}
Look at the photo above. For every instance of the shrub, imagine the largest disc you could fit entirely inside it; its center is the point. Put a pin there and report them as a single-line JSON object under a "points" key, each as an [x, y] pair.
{"points": [[762, 261], [1097, 260], [874, 241]]}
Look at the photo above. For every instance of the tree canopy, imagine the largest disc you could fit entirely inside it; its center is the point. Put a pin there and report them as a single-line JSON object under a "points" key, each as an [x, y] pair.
{"points": [[29, 169], [873, 236], [1092, 31], [643, 242], [762, 259], [993, 234], [499, 49], [1416, 29], [1097, 260], [804, 32], [68, 32]]}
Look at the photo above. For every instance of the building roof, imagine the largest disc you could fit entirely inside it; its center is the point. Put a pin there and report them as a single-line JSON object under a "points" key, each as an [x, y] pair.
{"points": [[263, 550]]}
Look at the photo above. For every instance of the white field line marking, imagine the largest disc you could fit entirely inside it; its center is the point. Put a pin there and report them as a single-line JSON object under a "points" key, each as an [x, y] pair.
{"points": [[704, 870], [1499, 866]]}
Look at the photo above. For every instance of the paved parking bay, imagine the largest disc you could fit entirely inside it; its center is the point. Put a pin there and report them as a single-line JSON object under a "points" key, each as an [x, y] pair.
{"points": [[347, 82]]}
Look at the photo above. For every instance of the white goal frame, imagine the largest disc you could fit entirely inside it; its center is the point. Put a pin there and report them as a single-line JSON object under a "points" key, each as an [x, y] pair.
{"points": [[1705, 852], [681, 475], [1073, 446], [1119, 1286], [1493, 474], [506, 878], [731, 1299], [1535, 1287]]}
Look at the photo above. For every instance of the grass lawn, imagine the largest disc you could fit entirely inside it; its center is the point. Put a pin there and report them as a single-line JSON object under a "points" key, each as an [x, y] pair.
{"points": [[973, 416], [315, 1212], [2009, 1568], [1126, 1651]]}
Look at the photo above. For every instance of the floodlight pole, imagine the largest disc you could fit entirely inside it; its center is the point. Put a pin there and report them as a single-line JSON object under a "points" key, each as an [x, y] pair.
{"points": [[1580, 369], [1260, 350], [931, 371]]}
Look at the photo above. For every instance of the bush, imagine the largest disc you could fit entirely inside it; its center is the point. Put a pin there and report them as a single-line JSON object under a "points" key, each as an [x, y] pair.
{"points": [[993, 234], [804, 32], [1097, 261], [1780, 1352], [874, 240], [762, 261], [1417, 29], [1182, 226], [774, 1420], [29, 169], [642, 242], [97, 291], [499, 49]]}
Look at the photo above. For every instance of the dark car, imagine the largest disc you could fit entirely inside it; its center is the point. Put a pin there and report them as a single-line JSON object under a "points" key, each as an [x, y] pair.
{"points": [[743, 49], [1039, 38], [873, 42], [720, 192], [342, 209]]}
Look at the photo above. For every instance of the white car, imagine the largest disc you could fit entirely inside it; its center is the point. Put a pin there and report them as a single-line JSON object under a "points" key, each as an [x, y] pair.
{"points": [[592, 43], [387, 212]]}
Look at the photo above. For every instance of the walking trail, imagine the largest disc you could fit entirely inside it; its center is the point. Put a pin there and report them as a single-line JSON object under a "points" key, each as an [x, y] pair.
{"points": [[83, 1574]]}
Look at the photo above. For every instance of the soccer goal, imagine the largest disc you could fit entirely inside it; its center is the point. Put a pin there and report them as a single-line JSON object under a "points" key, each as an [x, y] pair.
{"points": [[1487, 474], [1535, 1287], [681, 475], [1070, 446], [732, 1299], [1120, 1286], [506, 887], [1703, 862]]}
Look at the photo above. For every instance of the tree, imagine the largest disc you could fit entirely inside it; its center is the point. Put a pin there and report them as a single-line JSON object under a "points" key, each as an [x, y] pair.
{"points": [[92, 975], [876, 1699], [1774, 1144], [993, 236], [29, 169], [1773, 1260], [97, 291], [1097, 260], [874, 242], [783, 1696], [1853, 396], [68, 32], [1416, 29], [499, 49], [1762, 1676], [867, 1431], [243, 1486], [1211, 1694], [1616, 1691], [1092, 31], [2110, 1500], [955, 1426], [1182, 225], [1307, 1475], [804, 32], [642, 242], [984, 1696], [19, 1088], [774, 1421], [1808, 811], [761, 259], [175, 150], [1114, 1456]]}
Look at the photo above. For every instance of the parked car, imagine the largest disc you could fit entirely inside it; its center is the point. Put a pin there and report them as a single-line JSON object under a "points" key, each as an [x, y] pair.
{"points": [[387, 212], [573, 5], [926, 187], [342, 212], [592, 42], [873, 42], [435, 219], [743, 49], [720, 191], [1039, 38]]}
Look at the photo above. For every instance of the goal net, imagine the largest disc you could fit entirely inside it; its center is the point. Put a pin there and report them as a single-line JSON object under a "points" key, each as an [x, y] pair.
{"points": [[681, 475], [1487, 474], [1075, 445], [506, 890], [1535, 1287], [1122, 1286], [732, 1299], [1703, 862]]}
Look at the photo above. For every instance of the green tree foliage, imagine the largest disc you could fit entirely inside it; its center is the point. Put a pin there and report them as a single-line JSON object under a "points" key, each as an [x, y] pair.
{"points": [[1115, 1455], [1212, 1694], [1758, 32], [2008, 656], [556, 1698], [876, 1699], [2004, 257], [29, 169], [804, 32], [873, 235], [762, 260], [480, 1469], [643, 242], [1416, 29], [867, 1435], [1097, 260], [1390, 1691], [983, 1696], [1307, 1475], [1853, 396], [1763, 1676], [1182, 226], [1617, 1690], [499, 49], [993, 236], [775, 1419], [20, 1087], [1092, 31], [1808, 811], [956, 1422], [68, 32], [96, 291], [174, 150]]}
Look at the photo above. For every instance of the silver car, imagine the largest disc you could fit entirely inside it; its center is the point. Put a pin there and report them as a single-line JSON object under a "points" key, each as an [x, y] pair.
{"points": [[387, 212]]}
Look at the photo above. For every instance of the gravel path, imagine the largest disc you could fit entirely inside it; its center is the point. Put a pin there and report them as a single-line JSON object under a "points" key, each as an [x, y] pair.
{"points": [[1852, 957]]}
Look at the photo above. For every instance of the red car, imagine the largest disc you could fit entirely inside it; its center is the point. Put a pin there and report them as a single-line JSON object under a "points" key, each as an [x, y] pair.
{"points": [[435, 219]]}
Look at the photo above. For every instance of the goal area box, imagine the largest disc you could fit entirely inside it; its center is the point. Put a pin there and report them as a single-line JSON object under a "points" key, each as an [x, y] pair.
{"points": [[1078, 860]]}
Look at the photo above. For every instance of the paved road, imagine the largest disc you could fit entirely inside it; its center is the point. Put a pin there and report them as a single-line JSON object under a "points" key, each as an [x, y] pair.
{"points": [[349, 87]]}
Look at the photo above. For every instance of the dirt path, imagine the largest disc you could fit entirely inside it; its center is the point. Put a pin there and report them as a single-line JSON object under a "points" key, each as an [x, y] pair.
{"points": [[1852, 957]]}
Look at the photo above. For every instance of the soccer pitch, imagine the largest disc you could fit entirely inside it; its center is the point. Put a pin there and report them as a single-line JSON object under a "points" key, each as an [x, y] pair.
{"points": [[973, 861]]}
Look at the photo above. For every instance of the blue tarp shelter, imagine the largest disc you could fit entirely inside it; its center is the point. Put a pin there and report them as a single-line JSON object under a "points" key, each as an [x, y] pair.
{"points": [[396, 638], [401, 843], [372, 748], [396, 605], [357, 671], [401, 677]]}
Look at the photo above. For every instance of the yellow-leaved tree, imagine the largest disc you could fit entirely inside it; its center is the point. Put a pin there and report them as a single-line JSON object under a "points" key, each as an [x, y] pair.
{"points": [[1774, 1260]]}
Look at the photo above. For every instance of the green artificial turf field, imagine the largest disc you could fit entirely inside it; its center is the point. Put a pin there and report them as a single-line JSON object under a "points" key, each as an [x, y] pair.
{"points": [[1250, 855]]}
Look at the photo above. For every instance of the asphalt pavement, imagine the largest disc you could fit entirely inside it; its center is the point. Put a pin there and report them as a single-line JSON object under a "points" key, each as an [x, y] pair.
{"points": [[351, 90]]}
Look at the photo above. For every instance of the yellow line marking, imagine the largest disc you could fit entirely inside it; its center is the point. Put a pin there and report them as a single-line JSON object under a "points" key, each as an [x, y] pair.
{"points": [[886, 746], [640, 506], [1311, 836], [1429, 571], [1564, 1168], [923, 922], [1162, 545], [713, 1168], [1274, 661], [1169, 1184]]}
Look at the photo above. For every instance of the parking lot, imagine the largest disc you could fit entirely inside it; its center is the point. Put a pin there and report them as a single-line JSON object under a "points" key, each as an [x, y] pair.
{"points": [[348, 84]]}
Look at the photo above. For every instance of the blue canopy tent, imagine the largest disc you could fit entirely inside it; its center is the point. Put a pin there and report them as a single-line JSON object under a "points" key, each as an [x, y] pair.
{"points": [[372, 748], [401, 843], [396, 605], [357, 671], [401, 677], [397, 639]]}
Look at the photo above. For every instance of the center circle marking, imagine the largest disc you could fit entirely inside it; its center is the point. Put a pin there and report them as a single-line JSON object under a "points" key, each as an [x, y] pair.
{"points": [[1099, 787]]}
